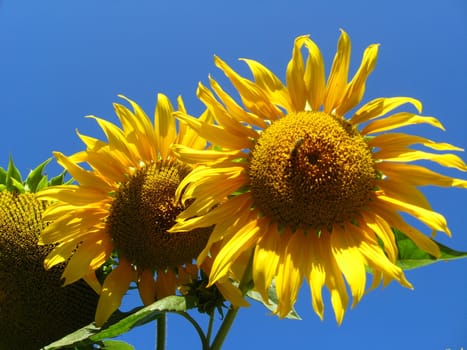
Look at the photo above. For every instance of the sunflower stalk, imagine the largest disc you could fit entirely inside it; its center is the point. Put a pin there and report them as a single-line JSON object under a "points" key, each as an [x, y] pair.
{"points": [[161, 332], [224, 329], [210, 325]]}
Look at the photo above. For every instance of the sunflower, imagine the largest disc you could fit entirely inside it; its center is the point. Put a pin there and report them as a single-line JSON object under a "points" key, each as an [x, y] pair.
{"points": [[307, 192], [34, 308], [122, 207]]}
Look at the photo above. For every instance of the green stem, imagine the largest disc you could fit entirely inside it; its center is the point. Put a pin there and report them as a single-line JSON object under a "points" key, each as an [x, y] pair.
{"points": [[195, 324], [224, 329], [232, 313], [210, 325], [161, 329]]}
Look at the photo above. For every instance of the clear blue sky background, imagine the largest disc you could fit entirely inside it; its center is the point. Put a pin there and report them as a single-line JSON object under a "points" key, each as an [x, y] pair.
{"points": [[62, 60]]}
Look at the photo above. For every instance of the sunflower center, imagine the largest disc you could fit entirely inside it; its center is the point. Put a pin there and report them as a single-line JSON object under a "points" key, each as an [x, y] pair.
{"points": [[29, 294], [142, 212], [311, 170]]}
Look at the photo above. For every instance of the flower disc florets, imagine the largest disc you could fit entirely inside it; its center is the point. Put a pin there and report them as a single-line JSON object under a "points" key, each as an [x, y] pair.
{"points": [[141, 213], [35, 309], [311, 170]]}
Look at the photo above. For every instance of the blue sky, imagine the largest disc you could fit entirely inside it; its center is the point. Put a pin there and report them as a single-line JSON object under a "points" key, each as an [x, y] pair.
{"points": [[62, 60]]}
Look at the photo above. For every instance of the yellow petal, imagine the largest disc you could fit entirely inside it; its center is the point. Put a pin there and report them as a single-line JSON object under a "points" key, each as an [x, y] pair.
{"points": [[265, 261], [344, 247], [182, 129], [115, 286], [244, 239], [59, 210], [334, 280], [138, 130], [376, 258], [377, 277], [91, 142], [380, 106], [430, 218], [408, 155], [390, 141], [166, 283], [80, 263], [396, 221], [69, 227], [214, 133], [206, 175], [253, 97], [404, 192], [111, 164], [78, 157], [315, 79], [384, 232], [189, 137], [337, 81], [238, 269], [316, 275], [165, 125], [195, 156], [92, 281], [398, 120], [186, 274], [84, 177], [234, 109], [228, 227], [217, 193], [60, 254], [221, 115], [295, 76], [116, 138], [290, 271], [270, 84], [356, 88], [418, 175], [72, 194], [215, 216], [232, 294]]}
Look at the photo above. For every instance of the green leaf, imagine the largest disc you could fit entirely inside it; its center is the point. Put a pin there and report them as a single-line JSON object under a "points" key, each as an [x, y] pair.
{"points": [[121, 323], [116, 345], [36, 176], [273, 301], [411, 256]]}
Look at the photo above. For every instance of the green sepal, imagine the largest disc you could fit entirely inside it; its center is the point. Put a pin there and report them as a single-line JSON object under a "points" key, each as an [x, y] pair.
{"points": [[36, 177], [2, 176], [11, 178], [273, 301], [411, 256], [122, 322], [13, 172], [15, 186], [59, 180], [36, 180], [43, 183]]}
